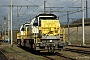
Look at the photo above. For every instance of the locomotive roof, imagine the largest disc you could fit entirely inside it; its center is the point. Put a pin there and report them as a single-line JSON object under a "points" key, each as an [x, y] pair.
{"points": [[27, 23], [47, 15]]}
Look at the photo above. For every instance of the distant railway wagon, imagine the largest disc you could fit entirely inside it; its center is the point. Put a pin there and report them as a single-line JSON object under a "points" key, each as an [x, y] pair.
{"points": [[42, 33]]}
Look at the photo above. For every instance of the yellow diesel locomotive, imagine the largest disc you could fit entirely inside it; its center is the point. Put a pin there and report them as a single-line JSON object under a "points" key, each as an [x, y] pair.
{"points": [[42, 33]]}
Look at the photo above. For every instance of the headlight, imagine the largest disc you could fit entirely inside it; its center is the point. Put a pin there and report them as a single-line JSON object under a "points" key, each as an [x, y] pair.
{"points": [[39, 42], [50, 40]]}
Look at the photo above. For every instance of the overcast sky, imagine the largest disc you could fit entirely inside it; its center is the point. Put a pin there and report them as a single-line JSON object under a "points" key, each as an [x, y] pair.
{"points": [[36, 10]]}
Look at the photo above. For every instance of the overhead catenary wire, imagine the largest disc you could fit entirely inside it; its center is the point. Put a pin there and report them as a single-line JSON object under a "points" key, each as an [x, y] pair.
{"points": [[66, 3], [64, 6], [30, 2], [34, 1], [49, 2], [35, 10], [20, 9], [72, 3], [70, 6], [73, 12], [19, 17], [27, 7]]}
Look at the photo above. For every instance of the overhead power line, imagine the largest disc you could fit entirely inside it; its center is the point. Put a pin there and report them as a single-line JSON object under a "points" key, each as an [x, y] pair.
{"points": [[74, 12], [30, 2], [19, 5], [34, 10]]}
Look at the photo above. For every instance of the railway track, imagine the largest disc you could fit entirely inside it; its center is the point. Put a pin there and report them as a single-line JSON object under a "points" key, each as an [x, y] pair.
{"points": [[2, 56], [49, 56], [79, 46], [61, 56], [78, 49], [57, 56]]}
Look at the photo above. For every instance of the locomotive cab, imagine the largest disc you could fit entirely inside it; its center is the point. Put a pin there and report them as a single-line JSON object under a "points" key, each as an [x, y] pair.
{"points": [[46, 31], [42, 33]]}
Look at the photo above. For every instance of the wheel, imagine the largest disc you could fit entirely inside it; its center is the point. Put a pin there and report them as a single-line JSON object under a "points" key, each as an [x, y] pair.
{"points": [[18, 42]]}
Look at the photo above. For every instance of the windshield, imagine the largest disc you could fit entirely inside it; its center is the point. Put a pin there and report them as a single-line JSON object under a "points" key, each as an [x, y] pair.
{"points": [[45, 18], [35, 22], [22, 28]]}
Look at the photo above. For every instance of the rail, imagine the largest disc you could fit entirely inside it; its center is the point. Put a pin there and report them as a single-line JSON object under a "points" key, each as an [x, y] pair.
{"points": [[78, 49], [56, 55], [3, 56]]}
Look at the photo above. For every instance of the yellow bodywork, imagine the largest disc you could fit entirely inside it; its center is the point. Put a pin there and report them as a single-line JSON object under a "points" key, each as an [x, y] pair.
{"points": [[62, 35], [44, 32], [23, 34], [49, 27], [52, 27]]}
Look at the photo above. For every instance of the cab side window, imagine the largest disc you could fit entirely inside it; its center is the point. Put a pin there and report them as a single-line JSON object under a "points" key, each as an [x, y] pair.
{"points": [[35, 22], [22, 29]]}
